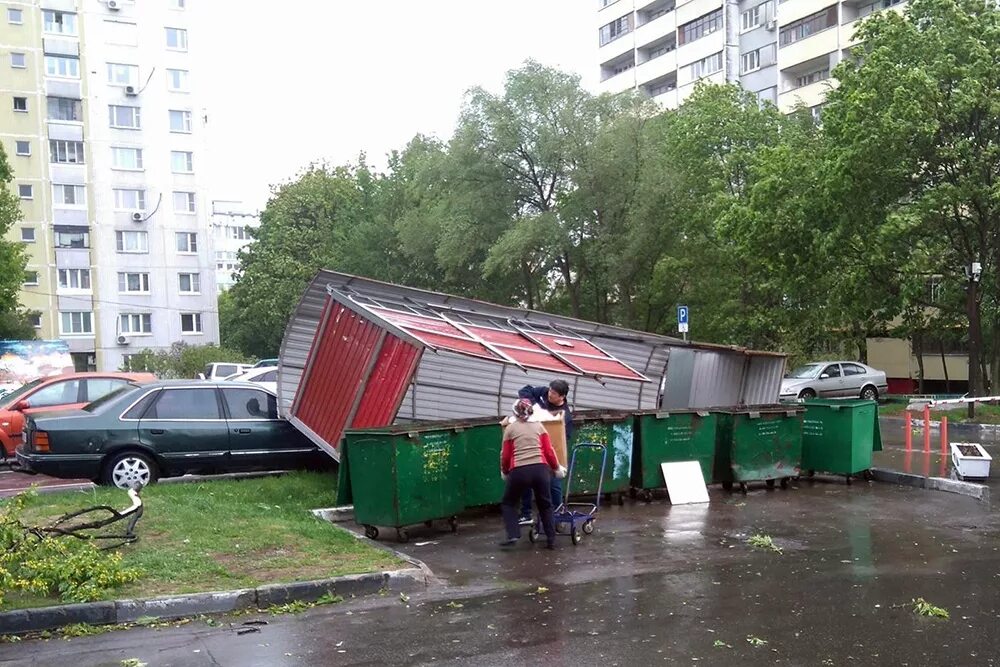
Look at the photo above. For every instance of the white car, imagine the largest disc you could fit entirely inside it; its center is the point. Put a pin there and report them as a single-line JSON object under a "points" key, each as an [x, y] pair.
{"points": [[265, 376], [834, 379], [222, 371]]}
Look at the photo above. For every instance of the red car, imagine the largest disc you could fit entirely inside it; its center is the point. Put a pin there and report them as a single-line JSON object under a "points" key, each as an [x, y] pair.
{"points": [[69, 391]]}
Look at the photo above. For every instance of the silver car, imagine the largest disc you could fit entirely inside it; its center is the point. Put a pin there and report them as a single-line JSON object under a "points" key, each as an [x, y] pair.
{"points": [[834, 379]]}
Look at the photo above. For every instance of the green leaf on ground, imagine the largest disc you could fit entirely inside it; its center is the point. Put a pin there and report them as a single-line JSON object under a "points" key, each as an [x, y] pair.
{"points": [[755, 641], [922, 607], [761, 541]]}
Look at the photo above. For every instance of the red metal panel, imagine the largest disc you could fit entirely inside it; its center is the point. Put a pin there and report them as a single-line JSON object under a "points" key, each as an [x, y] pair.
{"points": [[607, 367], [564, 345], [465, 346], [498, 337], [540, 359], [407, 321], [387, 384], [337, 368]]}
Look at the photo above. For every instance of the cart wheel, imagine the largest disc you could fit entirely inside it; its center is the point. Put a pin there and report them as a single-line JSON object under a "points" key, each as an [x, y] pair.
{"points": [[743, 488], [784, 482], [647, 496], [770, 483], [453, 524], [868, 475], [371, 532], [728, 486], [402, 535], [532, 535], [577, 535], [588, 527]]}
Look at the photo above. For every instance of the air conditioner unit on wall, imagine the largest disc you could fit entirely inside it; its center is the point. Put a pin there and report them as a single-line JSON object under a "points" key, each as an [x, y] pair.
{"points": [[113, 5], [131, 91], [122, 340], [137, 217], [772, 25]]}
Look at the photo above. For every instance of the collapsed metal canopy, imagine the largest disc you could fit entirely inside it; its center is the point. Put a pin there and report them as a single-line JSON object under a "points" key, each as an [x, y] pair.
{"points": [[360, 353]]}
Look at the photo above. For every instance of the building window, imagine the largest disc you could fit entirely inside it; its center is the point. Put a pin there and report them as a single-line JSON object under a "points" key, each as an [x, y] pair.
{"points": [[25, 191], [181, 162], [35, 319], [65, 152], [74, 279], [133, 283], [187, 242], [123, 75], [27, 234], [865, 10], [22, 148], [752, 17], [812, 77], [135, 323], [184, 202], [18, 60], [810, 25], [661, 88], [123, 157], [62, 66], [15, 16], [130, 200], [238, 233], [126, 118], [30, 278], [21, 104], [68, 195], [59, 23], [190, 283], [72, 238], [615, 29], [64, 108], [706, 66], [700, 27], [180, 121], [190, 323], [132, 242], [177, 39], [76, 323], [177, 80], [661, 50], [750, 62]]}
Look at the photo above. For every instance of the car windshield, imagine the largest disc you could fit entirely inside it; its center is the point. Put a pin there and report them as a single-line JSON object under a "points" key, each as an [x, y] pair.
{"points": [[807, 371], [94, 406], [15, 395]]}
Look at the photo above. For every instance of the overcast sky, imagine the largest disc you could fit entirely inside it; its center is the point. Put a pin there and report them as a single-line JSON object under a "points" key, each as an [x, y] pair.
{"points": [[305, 80]]}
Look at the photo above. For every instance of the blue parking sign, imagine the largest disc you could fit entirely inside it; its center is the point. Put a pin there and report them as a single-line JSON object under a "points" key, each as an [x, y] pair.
{"points": [[682, 319]]}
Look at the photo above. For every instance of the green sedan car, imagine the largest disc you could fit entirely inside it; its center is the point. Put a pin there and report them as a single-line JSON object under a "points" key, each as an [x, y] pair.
{"points": [[140, 433]]}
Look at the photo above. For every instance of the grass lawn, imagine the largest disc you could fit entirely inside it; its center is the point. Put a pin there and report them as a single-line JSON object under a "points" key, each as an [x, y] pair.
{"points": [[219, 535], [985, 414]]}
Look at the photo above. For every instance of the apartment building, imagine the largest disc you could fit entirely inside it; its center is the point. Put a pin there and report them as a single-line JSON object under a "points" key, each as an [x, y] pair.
{"points": [[232, 222], [101, 117], [782, 51]]}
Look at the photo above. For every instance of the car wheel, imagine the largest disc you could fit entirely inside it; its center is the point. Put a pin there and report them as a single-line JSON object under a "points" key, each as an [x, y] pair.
{"points": [[807, 393], [130, 470], [869, 393]]}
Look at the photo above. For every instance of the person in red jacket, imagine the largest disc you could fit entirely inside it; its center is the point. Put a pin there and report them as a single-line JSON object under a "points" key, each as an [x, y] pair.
{"points": [[527, 461]]}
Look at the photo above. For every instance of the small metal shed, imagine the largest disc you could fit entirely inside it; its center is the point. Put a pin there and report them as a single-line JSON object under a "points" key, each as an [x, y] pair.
{"points": [[361, 353]]}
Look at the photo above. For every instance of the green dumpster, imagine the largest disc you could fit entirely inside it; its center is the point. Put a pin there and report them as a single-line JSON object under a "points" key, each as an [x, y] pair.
{"points": [[759, 443], [615, 431], [483, 441], [838, 436], [406, 474], [661, 437]]}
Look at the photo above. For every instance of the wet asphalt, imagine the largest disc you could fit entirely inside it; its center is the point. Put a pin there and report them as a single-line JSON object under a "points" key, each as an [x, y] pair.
{"points": [[653, 584]]}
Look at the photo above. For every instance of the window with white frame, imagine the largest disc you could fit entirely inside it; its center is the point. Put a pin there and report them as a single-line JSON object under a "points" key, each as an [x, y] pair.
{"points": [[126, 157], [22, 148], [129, 200], [190, 283], [121, 74], [187, 242], [68, 195], [612, 31], [65, 152], [698, 28], [180, 121], [753, 17], [30, 278], [15, 16], [35, 319], [177, 39], [74, 279], [135, 323], [132, 242], [190, 323], [25, 191], [63, 108], [237, 232], [27, 234], [750, 61], [177, 80], [76, 323], [820, 74], [72, 237], [21, 104], [59, 23], [184, 202], [706, 66], [18, 60], [124, 117], [133, 283], [62, 66], [181, 162]]}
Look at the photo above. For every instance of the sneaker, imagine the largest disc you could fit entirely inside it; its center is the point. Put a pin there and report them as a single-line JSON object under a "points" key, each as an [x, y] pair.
{"points": [[508, 543], [525, 520]]}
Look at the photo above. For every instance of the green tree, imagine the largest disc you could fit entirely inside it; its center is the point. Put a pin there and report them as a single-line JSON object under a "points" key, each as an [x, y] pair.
{"points": [[182, 361], [13, 319], [914, 128]]}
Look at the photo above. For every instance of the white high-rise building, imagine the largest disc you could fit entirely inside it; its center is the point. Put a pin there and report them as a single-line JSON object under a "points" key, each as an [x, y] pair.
{"points": [[231, 225], [120, 242], [782, 51]]}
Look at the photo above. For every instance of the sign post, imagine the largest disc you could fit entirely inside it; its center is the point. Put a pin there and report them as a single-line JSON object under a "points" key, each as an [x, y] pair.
{"points": [[682, 321]]}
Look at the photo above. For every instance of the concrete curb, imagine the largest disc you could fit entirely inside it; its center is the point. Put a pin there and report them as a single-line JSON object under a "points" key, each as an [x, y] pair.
{"points": [[980, 492], [217, 602]]}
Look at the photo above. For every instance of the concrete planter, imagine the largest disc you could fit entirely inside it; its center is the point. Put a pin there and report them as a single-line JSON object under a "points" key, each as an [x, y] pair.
{"points": [[970, 460]]}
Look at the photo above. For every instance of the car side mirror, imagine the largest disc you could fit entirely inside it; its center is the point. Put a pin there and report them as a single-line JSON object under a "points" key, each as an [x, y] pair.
{"points": [[22, 405], [824, 376]]}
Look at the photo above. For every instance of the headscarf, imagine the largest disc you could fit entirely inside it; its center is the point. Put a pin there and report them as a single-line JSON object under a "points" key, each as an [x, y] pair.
{"points": [[523, 409]]}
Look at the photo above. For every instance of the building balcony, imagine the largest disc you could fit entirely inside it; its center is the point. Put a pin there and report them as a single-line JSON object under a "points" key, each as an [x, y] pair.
{"points": [[656, 68], [692, 9], [656, 29], [810, 48], [793, 11], [809, 96]]}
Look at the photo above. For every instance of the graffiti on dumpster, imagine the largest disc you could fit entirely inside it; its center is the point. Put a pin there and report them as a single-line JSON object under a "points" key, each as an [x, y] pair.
{"points": [[812, 427], [436, 452], [619, 448]]}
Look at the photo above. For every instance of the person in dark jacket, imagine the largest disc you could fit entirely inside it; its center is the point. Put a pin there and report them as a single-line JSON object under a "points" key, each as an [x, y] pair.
{"points": [[553, 399]]}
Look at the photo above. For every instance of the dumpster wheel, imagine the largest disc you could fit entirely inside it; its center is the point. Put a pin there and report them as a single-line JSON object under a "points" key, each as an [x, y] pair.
{"points": [[402, 535], [743, 488], [728, 486], [770, 483], [784, 482], [453, 524], [371, 532]]}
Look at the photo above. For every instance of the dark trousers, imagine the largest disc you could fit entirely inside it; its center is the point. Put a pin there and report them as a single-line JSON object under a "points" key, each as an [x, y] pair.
{"points": [[556, 488], [535, 477]]}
